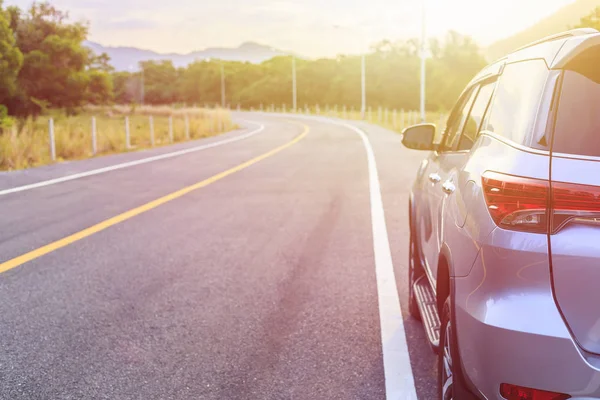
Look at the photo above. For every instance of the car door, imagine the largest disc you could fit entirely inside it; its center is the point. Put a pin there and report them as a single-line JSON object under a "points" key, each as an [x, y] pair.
{"points": [[435, 175]]}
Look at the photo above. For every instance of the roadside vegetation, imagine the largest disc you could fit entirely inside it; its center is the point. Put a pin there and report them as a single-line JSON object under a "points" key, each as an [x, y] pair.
{"points": [[30, 146]]}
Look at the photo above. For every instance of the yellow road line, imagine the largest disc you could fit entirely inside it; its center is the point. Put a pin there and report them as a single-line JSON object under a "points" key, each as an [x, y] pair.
{"points": [[32, 255]]}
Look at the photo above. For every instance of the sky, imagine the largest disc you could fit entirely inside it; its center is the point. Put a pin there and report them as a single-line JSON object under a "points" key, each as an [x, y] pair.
{"points": [[313, 28]]}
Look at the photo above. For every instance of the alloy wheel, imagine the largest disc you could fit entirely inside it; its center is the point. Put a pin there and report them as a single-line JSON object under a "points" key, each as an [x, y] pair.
{"points": [[447, 377]]}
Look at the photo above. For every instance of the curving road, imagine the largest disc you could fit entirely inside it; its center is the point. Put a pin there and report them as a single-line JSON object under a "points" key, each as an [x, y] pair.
{"points": [[245, 266]]}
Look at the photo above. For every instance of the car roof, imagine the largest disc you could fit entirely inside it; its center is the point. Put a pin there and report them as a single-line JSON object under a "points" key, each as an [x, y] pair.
{"points": [[556, 50]]}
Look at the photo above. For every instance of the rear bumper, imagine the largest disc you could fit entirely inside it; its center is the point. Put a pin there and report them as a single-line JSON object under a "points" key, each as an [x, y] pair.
{"points": [[509, 329]]}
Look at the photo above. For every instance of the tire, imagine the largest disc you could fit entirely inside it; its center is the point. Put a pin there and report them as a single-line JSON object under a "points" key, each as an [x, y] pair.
{"points": [[451, 382], [415, 271]]}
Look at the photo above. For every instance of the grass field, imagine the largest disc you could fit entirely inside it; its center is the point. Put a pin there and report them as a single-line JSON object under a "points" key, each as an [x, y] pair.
{"points": [[73, 134]]}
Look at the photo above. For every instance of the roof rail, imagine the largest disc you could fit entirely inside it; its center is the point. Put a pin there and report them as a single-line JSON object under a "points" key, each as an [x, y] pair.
{"points": [[562, 35]]}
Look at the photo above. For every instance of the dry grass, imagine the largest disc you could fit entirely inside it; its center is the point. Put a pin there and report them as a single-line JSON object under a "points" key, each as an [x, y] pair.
{"points": [[73, 137]]}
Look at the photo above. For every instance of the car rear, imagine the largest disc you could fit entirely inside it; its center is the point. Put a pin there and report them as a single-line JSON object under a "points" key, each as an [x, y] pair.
{"points": [[528, 311]]}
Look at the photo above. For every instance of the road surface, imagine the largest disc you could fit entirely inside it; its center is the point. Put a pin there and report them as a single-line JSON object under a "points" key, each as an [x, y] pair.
{"points": [[242, 266]]}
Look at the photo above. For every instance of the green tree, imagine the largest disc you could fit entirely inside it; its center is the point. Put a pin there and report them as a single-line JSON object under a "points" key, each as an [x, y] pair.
{"points": [[454, 63], [160, 78], [11, 58], [99, 87], [58, 71], [126, 88], [591, 20]]}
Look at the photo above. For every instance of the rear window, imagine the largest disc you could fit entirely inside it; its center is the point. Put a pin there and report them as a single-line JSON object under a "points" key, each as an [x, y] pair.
{"points": [[577, 129]]}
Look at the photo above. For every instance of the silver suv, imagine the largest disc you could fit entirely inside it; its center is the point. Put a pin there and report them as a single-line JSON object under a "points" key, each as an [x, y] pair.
{"points": [[505, 228]]}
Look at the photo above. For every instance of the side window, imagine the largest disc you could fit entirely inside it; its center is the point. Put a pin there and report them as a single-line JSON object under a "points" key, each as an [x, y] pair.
{"points": [[578, 118], [473, 124], [455, 113], [458, 122], [515, 106]]}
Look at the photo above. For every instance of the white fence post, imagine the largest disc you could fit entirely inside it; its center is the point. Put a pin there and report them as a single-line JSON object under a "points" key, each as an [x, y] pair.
{"points": [[187, 127], [94, 137], [151, 120], [52, 142], [171, 128], [239, 107], [402, 119], [127, 134], [379, 114], [386, 115], [344, 113], [394, 119]]}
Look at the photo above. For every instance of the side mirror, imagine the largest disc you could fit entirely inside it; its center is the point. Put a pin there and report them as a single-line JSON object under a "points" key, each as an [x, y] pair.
{"points": [[419, 137]]}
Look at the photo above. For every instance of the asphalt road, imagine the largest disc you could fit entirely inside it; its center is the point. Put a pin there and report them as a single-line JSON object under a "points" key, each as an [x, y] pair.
{"points": [[260, 284]]}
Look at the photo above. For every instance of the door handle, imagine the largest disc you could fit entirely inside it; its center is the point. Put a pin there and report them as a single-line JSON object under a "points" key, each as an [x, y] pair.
{"points": [[448, 187], [435, 178]]}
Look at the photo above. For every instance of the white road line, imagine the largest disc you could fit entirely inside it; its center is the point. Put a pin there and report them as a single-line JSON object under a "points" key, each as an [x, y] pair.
{"points": [[399, 380], [133, 163]]}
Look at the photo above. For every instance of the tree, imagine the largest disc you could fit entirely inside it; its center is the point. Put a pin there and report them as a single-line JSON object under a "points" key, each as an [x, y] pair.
{"points": [[125, 88], [58, 71], [11, 58], [454, 63], [159, 82], [591, 21], [99, 87]]}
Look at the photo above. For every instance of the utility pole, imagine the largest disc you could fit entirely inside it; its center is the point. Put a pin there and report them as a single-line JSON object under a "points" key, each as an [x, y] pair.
{"points": [[294, 90], [143, 88], [423, 59], [363, 107], [222, 85]]}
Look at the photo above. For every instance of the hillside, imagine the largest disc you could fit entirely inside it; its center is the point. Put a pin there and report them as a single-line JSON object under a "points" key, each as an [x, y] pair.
{"points": [[127, 58], [562, 20]]}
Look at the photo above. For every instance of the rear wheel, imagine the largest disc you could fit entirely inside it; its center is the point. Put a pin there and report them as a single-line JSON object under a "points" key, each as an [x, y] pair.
{"points": [[451, 382], [415, 271]]}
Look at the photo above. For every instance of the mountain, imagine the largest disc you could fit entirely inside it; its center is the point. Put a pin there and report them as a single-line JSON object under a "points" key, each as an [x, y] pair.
{"points": [[562, 20], [128, 58]]}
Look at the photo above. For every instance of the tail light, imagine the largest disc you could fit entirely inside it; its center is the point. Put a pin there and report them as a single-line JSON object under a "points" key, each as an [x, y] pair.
{"points": [[513, 392], [524, 204], [517, 203], [574, 203]]}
